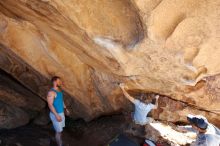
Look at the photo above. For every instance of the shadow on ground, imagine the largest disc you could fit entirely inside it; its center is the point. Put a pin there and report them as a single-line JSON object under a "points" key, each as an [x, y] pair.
{"points": [[77, 133]]}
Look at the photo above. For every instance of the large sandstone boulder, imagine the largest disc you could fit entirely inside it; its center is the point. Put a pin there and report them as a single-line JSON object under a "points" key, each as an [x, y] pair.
{"points": [[160, 46]]}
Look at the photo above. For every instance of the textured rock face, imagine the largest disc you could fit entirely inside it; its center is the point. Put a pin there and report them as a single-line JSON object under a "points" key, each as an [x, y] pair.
{"points": [[161, 46], [12, 117], [18, 105]]}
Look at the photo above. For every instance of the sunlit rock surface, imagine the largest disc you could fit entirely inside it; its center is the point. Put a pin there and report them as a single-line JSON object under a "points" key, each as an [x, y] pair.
{"points": [[168, 133], [160, 46]]}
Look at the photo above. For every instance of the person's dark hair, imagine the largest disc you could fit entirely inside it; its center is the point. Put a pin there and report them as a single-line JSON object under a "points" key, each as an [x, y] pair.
{"points": [[143, 97], [154, 101], [54, 78]]}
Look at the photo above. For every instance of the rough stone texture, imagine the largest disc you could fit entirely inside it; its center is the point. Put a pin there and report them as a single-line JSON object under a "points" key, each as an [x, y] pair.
{"points": [[17, 104], [176, 111], [12, 117], [161, 46], [12, 93]]}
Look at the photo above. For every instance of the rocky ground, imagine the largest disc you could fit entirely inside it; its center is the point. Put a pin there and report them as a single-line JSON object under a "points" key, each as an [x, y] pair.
{"points": [[96, 133], [77, 133]]}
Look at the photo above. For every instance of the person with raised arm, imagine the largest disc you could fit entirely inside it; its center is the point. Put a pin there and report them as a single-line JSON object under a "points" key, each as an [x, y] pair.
{"points": [[141, 108]]}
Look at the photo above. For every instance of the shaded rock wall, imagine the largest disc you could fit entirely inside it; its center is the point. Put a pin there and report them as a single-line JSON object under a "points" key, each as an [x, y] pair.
{"points": [[161, 46], [18, 105]]}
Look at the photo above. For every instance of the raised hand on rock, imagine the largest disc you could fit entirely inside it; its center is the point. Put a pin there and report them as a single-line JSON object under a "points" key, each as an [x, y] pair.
{"points": [[157, 96], [122, 85]]}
